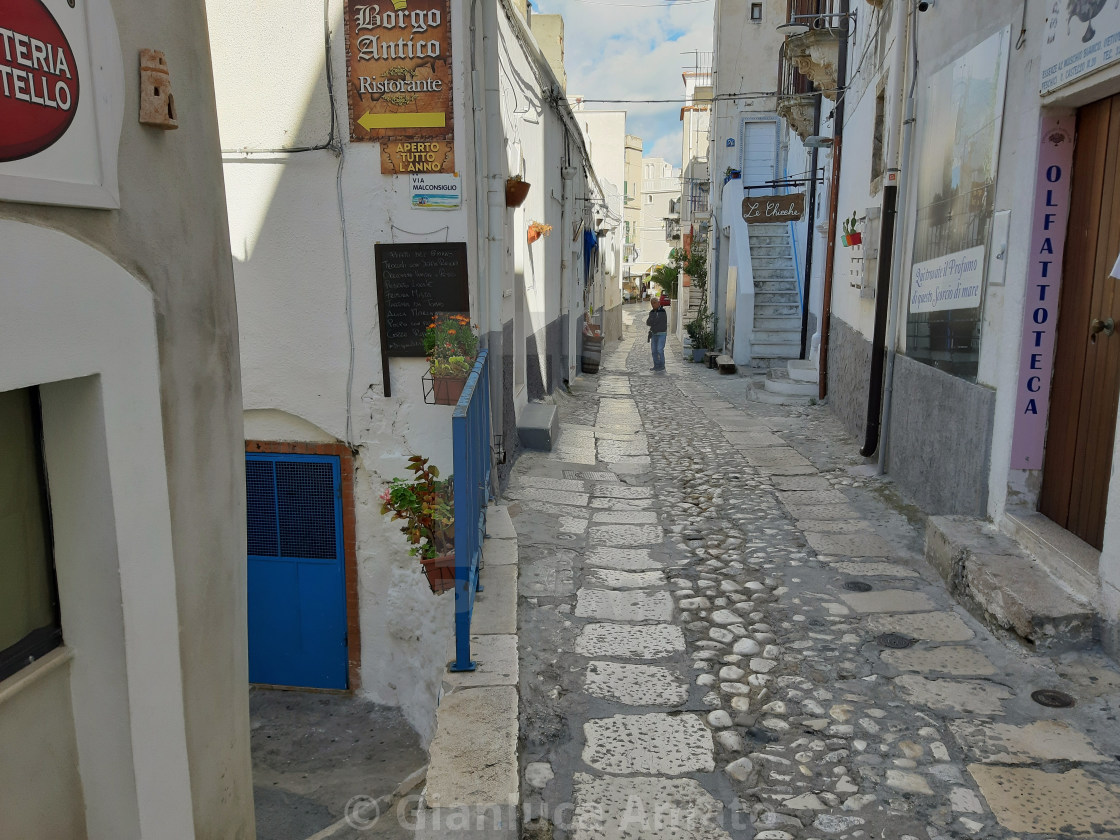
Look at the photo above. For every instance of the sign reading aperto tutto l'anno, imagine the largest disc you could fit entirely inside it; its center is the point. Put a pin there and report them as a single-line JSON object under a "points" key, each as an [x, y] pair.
{"points": [[762, 209], [399, 75]]}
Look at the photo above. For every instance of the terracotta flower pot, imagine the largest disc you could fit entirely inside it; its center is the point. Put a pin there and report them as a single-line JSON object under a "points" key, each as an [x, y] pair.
{"points": [[448, 389], [534, 235], [516, 192], [440, 572]]}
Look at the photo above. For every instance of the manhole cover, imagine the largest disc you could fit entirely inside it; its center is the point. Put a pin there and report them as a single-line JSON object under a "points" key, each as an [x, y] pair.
{"points": [[1051, 698], [857, 586], [895, 641]]}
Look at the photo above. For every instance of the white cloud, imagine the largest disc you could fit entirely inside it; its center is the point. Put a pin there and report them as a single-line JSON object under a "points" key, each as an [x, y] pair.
{"points": [[616, 51]]}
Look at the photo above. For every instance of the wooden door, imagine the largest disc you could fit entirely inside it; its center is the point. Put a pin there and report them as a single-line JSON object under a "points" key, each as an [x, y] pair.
{"points": [[1087, 373]]}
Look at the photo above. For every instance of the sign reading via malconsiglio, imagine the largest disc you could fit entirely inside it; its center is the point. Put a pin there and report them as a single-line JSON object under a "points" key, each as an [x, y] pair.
{"points": [[759, 209]]}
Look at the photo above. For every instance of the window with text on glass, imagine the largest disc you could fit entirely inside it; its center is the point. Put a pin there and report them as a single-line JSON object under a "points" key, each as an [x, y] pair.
{"points": [[29, 615]]}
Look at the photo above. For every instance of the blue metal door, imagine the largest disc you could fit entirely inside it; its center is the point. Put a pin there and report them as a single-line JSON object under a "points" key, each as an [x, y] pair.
{"points": [[297, 583]]}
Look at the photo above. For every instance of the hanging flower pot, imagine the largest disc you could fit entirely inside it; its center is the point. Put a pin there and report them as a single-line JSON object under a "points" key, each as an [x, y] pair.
{"points": [[516, 191], [537, 230], [440, 572], [855, 238]]}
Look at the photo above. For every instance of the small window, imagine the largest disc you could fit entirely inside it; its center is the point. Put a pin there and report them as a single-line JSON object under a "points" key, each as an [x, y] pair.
{"points": [[29, 615], [756, 12]]}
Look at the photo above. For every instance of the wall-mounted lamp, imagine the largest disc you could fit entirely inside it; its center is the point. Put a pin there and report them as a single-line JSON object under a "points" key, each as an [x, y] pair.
{"points": [[816, 141]]}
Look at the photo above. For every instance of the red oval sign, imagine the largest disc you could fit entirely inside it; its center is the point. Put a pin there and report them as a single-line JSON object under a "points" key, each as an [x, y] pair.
{"points": [[38, 79]]}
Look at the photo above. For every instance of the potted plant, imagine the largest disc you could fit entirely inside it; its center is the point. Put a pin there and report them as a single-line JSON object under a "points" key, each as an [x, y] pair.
{"points": [[426, 505], [516, 191], [852, 235], [537, 230], [452, 348]]}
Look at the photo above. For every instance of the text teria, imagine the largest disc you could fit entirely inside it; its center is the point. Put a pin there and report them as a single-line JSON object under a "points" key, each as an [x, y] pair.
{"points": [[372, 47]]}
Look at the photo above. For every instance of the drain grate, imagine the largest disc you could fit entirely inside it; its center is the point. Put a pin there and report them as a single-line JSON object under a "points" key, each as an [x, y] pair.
{"points": [[857, 586], [590, 476], [1052, 698], [895, 641]]}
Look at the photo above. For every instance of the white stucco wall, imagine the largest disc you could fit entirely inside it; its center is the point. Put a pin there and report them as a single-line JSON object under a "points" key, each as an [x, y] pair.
{"points": [[300, 299], [126, 318]]}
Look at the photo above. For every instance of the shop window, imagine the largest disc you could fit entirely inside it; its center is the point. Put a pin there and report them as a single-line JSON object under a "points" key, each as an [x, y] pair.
{"points": [[756, 12], [30, 625]]}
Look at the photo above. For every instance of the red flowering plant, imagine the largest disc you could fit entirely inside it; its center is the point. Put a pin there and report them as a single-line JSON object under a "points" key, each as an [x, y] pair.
{"points": [[426, 505], [451, 345]]}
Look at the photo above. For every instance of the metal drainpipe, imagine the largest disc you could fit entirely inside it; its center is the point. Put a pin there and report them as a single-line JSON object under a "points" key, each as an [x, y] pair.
{"points": [[897, 296], [886, 258], [833, 198], [478, 97], [496, 205], [809, 235]]}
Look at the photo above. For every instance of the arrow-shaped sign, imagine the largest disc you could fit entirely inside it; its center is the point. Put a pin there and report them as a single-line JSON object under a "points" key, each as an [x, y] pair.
{"points": [[371, 121]]}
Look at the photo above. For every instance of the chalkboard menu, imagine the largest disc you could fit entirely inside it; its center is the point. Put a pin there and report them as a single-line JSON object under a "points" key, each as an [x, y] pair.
{"points": [[414, 282]]}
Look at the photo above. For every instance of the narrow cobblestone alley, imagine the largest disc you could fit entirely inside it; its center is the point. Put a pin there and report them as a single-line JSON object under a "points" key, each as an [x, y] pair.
{"points": [[727, 629]]}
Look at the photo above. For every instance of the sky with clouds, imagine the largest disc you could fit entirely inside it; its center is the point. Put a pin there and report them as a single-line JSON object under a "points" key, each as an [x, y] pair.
{"points": [[634, 49]]}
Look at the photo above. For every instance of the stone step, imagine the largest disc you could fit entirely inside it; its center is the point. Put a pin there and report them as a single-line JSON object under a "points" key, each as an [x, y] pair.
{"points": [[760, 394], [1072, 560], [790, 388], [773, 284], [775, 273], [768, 239], [768, 251], [769, 229], [803, 370], [776, 310], [777, 297], [992, 575], [785, 323], [777, 337], [777, 350]]}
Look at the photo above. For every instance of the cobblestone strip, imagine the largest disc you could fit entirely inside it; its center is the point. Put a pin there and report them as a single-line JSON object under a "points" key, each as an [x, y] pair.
{"points": [[701, 652]]}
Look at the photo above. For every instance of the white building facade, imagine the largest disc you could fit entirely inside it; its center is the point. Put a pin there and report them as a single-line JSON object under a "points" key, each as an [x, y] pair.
{"points": [[311, 209], [123, 682]]}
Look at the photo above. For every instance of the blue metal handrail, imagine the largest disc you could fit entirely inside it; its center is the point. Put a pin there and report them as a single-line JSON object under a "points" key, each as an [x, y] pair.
{"points": [[470, 429]]}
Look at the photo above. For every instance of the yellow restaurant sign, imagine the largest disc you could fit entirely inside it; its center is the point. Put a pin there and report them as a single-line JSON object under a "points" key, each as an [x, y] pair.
{"points": [[398, 79]]}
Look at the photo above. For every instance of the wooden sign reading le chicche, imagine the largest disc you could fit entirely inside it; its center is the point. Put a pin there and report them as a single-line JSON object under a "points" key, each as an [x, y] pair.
{"points": [[759, 209]]}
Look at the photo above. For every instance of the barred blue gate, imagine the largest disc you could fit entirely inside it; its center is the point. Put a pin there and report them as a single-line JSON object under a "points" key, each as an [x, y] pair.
{"points": [[297, 587], [470, 427]]}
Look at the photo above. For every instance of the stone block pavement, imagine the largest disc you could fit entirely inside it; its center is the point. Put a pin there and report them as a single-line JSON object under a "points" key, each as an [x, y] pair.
{"points": [[705, 584]]}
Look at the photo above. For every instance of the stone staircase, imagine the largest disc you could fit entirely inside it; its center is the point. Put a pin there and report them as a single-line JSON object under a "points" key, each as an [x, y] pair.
{"points": [[777, 307], [791, 383]]}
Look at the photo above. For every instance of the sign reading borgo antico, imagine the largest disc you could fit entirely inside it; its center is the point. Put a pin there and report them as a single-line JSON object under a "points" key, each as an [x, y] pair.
{"points": [[760, 209], [39, 83], [398, 61]]}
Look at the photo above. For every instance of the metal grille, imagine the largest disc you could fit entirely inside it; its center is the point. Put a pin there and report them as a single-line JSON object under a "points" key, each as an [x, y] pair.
{"points": [[305, 507], [260, 491]]}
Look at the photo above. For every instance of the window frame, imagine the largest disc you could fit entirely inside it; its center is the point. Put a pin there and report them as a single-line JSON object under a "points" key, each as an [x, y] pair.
{"points": [[756, 7], [42, 640]]}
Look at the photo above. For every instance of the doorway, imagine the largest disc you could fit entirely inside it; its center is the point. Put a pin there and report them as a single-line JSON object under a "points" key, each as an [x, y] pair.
{"points": [[297, 577], [1086, 384], [760, 152]]}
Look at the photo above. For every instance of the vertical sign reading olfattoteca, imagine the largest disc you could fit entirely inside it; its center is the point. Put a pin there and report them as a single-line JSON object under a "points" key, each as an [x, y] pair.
{"points": [[1040, 311], [398, 61]]}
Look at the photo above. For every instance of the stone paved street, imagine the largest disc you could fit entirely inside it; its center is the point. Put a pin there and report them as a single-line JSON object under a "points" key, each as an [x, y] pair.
{"points": [[705, 587]]}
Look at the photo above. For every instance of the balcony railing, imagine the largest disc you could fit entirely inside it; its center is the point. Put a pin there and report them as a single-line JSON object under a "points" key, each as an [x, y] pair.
{"points": [[470, 430], [816, 14]]}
